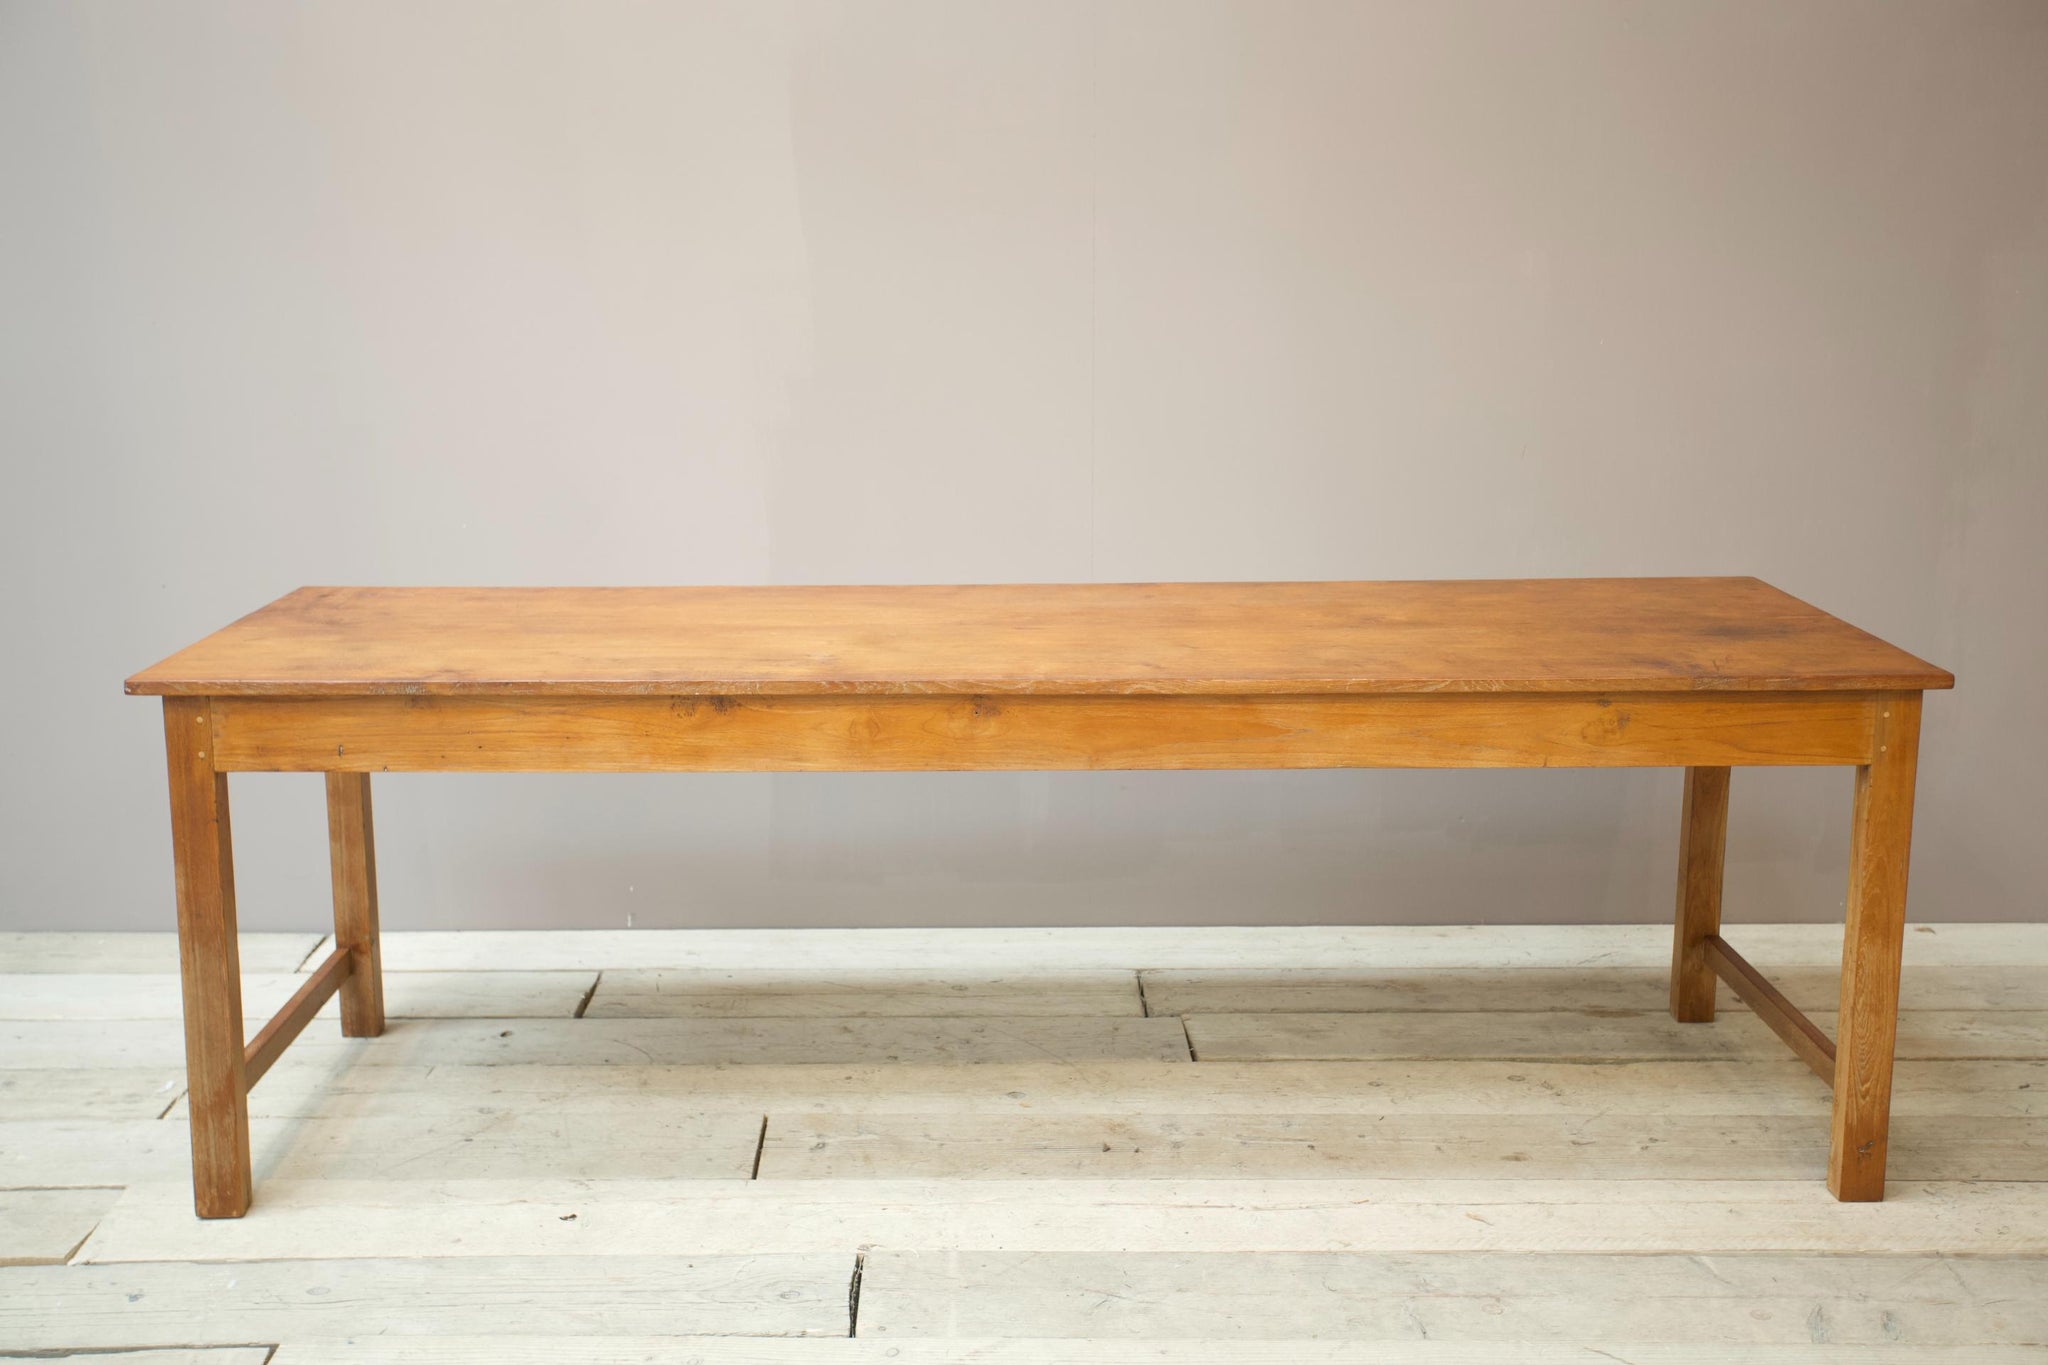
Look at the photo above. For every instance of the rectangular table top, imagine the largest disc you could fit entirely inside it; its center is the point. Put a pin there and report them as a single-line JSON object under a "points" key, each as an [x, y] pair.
{"points": [[1524, 635]]}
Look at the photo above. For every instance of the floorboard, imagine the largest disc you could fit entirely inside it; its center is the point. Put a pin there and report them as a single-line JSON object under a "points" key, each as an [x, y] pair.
{"points": [[43, 1227], [144, 952], [333, 1085], [222, 1355], [481, 1143], [860, 994], [1635, 989], [1027, 1351], [1584, 1035], [165, 1303], [1733, 1300], [1106, 948], [1456, 1145], [1318, 1146], [561, 1217], [35, 1044], [407, 995], [1550, 1035], [111, 1092]]}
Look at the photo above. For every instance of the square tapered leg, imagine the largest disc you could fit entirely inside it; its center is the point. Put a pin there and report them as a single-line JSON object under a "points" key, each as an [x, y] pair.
{"points": [[1872, 944], [209, 961], [351, 843], [1702, 843]]}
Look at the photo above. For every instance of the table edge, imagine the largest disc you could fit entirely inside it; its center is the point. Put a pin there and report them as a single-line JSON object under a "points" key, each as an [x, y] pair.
{"points": [[1934, 679]]}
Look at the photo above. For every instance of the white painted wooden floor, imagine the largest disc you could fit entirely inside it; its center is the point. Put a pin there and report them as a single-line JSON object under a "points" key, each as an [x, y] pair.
{"points": [[1465, 1146]]}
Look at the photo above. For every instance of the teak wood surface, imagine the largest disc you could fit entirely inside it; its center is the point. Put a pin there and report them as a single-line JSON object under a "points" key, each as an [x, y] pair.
{"points": [[1707, 674]]}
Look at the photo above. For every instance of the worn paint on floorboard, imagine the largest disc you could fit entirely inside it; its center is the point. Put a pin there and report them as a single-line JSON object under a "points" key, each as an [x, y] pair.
{"points": [[1732, 1300], [558, 1217], [511, 1184], [1040, 1351]]}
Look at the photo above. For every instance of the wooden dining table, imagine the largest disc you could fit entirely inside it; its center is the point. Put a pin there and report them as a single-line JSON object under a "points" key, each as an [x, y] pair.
{"points": [[1704, 674]]}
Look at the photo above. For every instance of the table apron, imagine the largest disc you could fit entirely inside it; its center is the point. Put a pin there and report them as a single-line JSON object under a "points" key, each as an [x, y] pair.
{"points": [[939, 732]]}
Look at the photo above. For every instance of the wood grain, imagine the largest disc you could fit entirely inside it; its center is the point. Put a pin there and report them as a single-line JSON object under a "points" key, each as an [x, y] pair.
{"points": [[60, 953], [754, 1042], [1799, 1033], [44, 1308], [1430, 1298], [1588, 1348], [1772, 1082], [1592, 1035], [352, 857], [87, 1092], [668, 1142], [1678, 1200], [1702, 847], [1282, 947], [210, 962], [318, 1219], [43, 1227], [860, 994], [1474, 674], [1620, 1147], [1867, 1031], [274, 1037], [32, 1044], [1551, 1034], [413, 995], [201, 1355], [1635, 989], [126, 995], [1607, 1035], [1557, 635], [867, 734]]}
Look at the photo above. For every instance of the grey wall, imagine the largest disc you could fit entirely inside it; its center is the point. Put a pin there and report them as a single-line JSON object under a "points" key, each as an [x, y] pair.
{"points": [[514, 292]]}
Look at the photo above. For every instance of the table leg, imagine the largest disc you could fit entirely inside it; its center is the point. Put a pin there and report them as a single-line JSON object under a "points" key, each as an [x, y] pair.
{"points": [[209, 960], [1868, 1023], [352, 849], [1702, 842]]}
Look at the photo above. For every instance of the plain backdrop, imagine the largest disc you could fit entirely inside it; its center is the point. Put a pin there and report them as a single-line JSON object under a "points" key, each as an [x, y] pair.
{"points": [[595, 292]]}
